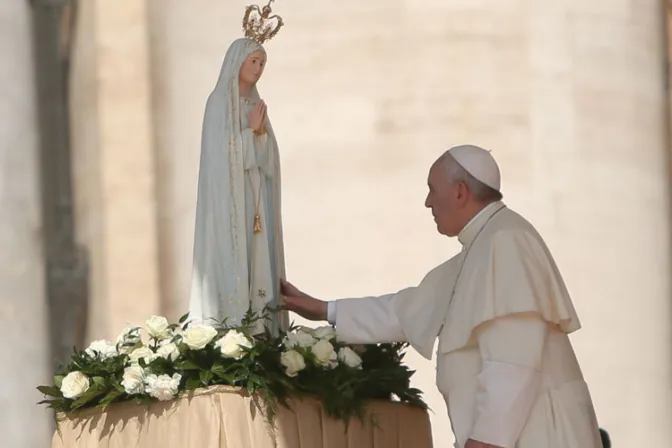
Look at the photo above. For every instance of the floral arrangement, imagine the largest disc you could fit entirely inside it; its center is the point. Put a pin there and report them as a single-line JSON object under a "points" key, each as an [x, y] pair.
{"points": [[161, 360]]}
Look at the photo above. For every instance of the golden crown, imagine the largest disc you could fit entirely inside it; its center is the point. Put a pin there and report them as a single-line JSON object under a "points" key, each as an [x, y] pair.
{"points": [[259, 24]]}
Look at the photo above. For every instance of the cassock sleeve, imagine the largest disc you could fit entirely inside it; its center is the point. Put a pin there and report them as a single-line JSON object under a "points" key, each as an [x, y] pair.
{"points": [[331, 313], [412, 315], [511, 349], [367, 320]]}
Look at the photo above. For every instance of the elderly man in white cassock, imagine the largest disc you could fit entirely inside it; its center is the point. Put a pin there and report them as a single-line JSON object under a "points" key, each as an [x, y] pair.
{"points": [[500, 310]]}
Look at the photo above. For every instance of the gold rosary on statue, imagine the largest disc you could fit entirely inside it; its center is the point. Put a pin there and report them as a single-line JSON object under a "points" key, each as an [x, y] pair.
{"points": [[257, 218]]}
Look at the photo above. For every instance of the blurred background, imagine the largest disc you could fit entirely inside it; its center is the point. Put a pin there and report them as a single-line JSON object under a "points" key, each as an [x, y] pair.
{"points": [[101, 106]]}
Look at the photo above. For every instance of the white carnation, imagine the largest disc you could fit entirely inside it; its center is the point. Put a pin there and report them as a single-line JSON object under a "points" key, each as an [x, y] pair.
{"points": [[102, 348], [75, 384], [327, 332], [142, 353], [232, 344], [134, 380], [299, 339], [168, 350], [293, 362], [162, 387], [349, 357], [157, 327], [325, 354], [198, 336]]}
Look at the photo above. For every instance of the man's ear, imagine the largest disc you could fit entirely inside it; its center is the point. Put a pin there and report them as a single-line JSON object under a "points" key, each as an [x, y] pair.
{"points": [[462, 190]]}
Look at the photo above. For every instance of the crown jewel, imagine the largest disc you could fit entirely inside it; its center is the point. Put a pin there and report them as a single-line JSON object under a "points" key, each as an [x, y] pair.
{"points": [[259, 24]]}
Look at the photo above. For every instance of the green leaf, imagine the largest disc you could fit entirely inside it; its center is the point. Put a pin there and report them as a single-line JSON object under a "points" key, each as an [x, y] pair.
{"points": [[142, 400], [88, 396], [222, 373], [50, 390], [256, 379], [206, 376], [183, 318], [50, 402], [193, 383], [58, 380], [186, 365], [111, 396], [218, 370]]}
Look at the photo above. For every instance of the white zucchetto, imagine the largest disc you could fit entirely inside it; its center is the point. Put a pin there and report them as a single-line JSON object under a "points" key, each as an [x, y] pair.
{"points": [[479, 163]]}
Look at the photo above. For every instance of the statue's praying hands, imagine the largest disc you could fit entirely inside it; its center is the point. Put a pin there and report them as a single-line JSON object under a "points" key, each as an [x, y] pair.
{"points": [[257, 118]]}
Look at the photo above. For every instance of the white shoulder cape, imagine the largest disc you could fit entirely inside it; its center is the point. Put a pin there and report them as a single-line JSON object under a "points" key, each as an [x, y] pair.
{"points": [[507, 270]]}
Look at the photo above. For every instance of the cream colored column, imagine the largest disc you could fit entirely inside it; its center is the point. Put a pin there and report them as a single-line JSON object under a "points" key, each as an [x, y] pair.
{"points": [[23, 313], [114, 163], [365, 95]]}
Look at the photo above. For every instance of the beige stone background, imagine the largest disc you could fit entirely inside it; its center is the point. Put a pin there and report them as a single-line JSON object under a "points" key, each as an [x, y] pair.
{"points": [[571, 96]]}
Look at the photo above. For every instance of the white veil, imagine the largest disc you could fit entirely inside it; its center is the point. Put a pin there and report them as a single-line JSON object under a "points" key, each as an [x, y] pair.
{"points": [[219, 286]]}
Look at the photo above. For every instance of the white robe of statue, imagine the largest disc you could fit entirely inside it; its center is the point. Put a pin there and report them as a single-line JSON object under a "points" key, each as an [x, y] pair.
{"points": [[235, 268], [505, 365]]}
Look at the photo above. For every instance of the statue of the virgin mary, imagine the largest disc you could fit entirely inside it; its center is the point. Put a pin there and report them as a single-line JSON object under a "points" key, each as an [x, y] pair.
{"points": [[238, 243]]}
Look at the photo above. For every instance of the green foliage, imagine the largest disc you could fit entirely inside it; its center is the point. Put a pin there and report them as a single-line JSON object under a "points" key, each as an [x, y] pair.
{"points": [[257, 370]]}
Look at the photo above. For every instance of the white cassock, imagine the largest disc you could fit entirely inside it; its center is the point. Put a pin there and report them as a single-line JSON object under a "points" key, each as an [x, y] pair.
{"points": [[506, 367]]}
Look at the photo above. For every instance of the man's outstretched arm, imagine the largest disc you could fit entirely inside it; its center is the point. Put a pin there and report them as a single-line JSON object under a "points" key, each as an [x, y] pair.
{"points": [[358, 321]]}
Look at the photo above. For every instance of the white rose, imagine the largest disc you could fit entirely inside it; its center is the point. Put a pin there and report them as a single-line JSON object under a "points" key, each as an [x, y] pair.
{"points": [[325, 332], [293, 362], [349, 357], [168, 351], [157, 327], [198, 336], [102, 348], [134, 380], [75, 384], [232, 344], [162, 387], [325, 354], [299, 339], [142, 353]]}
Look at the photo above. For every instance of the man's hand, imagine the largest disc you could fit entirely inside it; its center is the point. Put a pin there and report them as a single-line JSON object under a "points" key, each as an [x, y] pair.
{"points": [[475, 444], [301, 303]]}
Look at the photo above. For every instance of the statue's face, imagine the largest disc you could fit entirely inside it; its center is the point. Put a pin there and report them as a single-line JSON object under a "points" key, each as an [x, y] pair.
{"points": [[253, 67]]}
